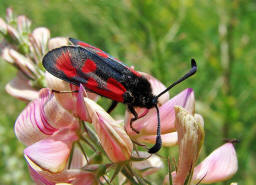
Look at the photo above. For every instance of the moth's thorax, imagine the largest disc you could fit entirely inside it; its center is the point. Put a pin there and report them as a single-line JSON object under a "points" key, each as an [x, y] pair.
{"points": [[139, 93]]}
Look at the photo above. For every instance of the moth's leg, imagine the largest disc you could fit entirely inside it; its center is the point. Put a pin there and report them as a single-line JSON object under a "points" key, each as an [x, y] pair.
{"points": [[112, 106], [132, 110]]}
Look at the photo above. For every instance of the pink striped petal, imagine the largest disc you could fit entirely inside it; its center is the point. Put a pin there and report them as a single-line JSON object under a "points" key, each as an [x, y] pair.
{"points": [[52, 153], [55, 114], [220, 165], [31, 126], [20, 88], [113, 137], [24, 63], [147, 125]]}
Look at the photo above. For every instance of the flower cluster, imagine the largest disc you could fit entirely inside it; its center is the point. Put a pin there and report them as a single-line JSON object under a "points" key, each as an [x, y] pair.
{"points": [[71, 139], [24, 49]]}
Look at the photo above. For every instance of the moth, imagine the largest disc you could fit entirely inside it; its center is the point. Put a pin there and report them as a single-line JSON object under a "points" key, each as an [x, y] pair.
{"points": [[107, 76]]}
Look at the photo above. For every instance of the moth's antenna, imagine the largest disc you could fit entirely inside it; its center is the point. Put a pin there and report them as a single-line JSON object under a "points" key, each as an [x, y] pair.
{"points": [[158, 143], [189, 74]]}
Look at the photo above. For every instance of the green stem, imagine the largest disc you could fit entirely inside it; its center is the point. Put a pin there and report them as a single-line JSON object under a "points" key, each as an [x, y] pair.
{"points": [[82, 149]]}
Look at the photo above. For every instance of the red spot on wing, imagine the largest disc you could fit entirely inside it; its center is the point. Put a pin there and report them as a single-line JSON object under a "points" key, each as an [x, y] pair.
{"points": [[64, 64], [89, 66], [114, 89], [102, 54], [115, 86], [91, 83]]}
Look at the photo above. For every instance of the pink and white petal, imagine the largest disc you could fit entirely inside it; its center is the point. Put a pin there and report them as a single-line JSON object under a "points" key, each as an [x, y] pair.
{"points": [[157, 88], [147, 125], [57, 42], [20, 88], [30, 125], [24, 63], [220, 165], [49, 154], [55, 114], [52, 153], [168, 139]]}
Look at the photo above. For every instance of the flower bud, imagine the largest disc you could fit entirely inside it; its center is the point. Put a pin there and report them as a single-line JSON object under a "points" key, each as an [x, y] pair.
{"points": [[113, 137], [39, 40], [190, 139]]}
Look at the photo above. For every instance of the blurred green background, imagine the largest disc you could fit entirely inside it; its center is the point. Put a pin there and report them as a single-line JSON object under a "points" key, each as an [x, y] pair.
{"points": [[159, 37]]}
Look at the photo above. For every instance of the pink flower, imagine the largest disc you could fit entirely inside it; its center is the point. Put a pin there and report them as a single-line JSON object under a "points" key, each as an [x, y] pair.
{"points": [[147, 125], [50, 131], [42, 118]]}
